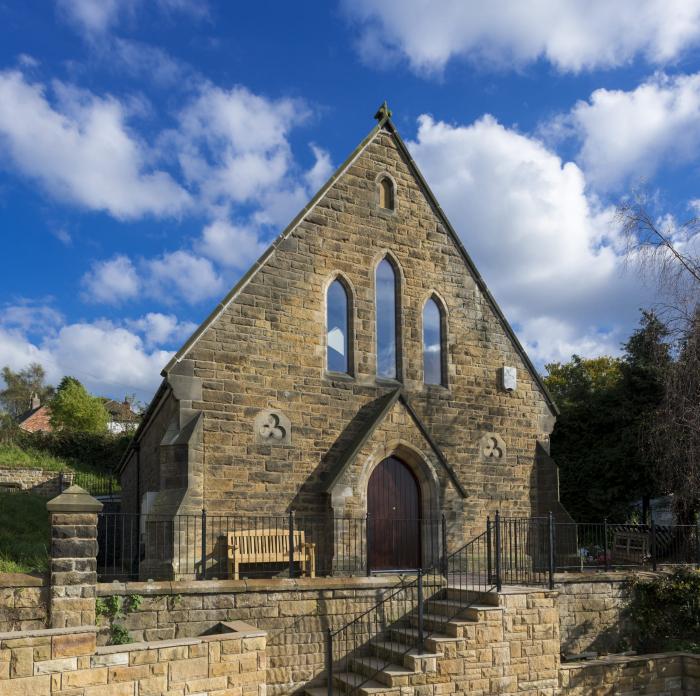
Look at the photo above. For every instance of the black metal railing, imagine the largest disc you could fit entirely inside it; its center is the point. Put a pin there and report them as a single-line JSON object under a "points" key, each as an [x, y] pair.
{"points": [[200, 546], [410, 614]]}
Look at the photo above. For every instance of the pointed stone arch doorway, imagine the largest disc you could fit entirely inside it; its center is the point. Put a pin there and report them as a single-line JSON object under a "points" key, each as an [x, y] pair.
{"points": [[393, 517]]}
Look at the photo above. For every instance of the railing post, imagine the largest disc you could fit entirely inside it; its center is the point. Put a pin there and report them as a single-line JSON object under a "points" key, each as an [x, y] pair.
{"points": [[497, 550], [443, 529], [653, 544], [606, 550], [551, 551], [489, 559], [369, 571], [60, 483], [421, 636], [697, 542], [329, 661], [291, 543], [204, 545]]}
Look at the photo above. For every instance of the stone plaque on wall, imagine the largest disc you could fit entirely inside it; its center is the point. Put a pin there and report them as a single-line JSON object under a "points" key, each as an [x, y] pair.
{"points": [[492, 448], [272, 427]]}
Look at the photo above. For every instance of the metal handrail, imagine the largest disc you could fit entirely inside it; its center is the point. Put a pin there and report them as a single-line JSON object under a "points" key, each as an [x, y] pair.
{"points": [[447, 565]]}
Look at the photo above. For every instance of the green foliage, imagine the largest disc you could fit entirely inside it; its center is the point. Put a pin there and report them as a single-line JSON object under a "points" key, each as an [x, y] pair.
{"points": [[24, 533], [14, 457], [83, 451], [73, 408], [20, 386], [118, 635], [134, 602], [600, 439], [664, 612], [100, 607]]}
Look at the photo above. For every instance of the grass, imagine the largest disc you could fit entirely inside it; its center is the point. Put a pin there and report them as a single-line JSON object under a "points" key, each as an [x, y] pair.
{"points": [[24, 533], [14, 457]]}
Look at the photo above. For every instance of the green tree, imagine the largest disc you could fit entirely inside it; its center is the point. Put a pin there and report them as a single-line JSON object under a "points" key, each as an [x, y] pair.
{"points": [[21, 386], [585, 441], [645, 367], [602, 437], [73, 408]]}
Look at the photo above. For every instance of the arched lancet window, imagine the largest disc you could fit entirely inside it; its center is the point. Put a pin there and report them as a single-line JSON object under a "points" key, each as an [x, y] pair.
{"points": [[337, 328], [387, 310], [433, 343], [386, 193]]}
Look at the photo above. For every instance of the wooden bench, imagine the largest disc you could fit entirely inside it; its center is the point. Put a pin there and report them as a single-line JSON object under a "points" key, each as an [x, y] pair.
{"points": [[269, 546]]}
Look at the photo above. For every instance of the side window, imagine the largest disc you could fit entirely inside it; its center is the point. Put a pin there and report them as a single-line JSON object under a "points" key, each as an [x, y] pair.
{"points": [[386, 313], [337, 328], [433, 343]]}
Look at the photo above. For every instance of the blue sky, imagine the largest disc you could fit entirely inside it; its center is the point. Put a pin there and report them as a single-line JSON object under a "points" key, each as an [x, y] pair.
{"points": [[149, 149]]}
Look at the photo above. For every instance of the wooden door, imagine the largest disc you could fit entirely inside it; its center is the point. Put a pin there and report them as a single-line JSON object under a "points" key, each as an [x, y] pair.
{"points": [[393, 526]]}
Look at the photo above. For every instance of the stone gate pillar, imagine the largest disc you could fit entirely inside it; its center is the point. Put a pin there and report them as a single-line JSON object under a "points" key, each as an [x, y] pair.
{"points": [[73, 558]]}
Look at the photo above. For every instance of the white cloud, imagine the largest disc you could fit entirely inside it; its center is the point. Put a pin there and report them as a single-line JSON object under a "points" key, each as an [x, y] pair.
{"points": [[183, 275], [108, 358], [161, 329], [546, 248], [230, 245], [81, 150], [94, 18], [629, 135], [111, 281], [570, 34], [232, 144]]}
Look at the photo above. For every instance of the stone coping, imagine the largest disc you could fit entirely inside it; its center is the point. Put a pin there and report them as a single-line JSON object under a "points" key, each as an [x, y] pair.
{"points": [[183, 587], [233, 631], [601, 576], [44, 632], [23, 580], [624, 659]]}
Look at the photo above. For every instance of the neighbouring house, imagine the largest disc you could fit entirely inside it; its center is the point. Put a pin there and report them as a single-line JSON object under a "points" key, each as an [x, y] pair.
{"points": [[360, 369], [37, 418], [121, 417]]}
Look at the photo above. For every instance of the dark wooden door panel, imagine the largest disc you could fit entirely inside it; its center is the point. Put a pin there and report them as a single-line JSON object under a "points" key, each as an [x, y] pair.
{"points": [[393, 504]]}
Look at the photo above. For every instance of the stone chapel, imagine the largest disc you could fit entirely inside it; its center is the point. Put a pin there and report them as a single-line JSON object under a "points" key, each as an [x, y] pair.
{"points": [[361, 367]]}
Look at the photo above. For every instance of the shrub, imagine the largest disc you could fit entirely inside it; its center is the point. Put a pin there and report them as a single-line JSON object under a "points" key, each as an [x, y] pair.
{"points": [[665, 612]]}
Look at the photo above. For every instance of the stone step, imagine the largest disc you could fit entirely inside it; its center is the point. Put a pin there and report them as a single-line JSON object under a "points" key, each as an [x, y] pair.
{"points": [[408, 635], [469, 595], [435, 622], [362, 685], [382, 671], [413, 658], [452, 608], [322, 691]]}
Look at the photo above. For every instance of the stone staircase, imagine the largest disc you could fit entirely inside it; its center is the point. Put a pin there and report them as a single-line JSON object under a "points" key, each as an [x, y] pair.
{"points": [[391, 664]]}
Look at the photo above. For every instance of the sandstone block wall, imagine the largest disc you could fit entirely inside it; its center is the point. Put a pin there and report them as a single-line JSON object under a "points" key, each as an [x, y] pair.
{"points": [[294, 613], [591, 612], [667, 674], [47, 483], [23, 602], [66, 662]]}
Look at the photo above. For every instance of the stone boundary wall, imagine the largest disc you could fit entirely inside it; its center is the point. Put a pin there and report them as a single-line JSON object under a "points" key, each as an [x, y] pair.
{"points": [[295, 613], [590, 612], [46, 483], [66, 662], [24, 602], [665, 674]]}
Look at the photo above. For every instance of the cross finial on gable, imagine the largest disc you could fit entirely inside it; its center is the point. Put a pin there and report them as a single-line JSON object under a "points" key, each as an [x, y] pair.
{"points": [[383, 112]]}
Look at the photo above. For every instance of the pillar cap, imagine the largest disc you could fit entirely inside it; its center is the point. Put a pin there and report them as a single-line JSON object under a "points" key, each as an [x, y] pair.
{"points": [[74, 499]]}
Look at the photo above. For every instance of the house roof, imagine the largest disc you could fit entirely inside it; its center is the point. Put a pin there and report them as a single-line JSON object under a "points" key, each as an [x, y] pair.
{"points": [[121, 411], [36, 419], [383, 116], [383, 406]]}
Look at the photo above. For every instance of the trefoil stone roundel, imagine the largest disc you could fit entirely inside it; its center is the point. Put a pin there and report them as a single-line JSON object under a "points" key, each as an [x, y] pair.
{"points": [[272, 427]]}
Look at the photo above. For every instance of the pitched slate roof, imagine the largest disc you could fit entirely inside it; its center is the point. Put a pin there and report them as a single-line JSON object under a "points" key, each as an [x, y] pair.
{"points": [[383, 116]]}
